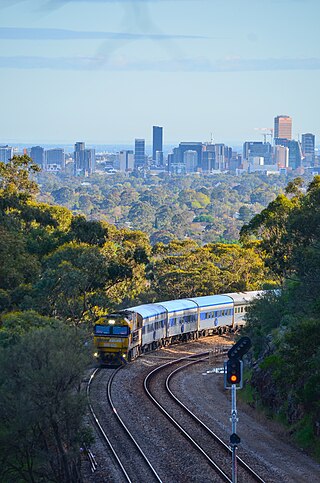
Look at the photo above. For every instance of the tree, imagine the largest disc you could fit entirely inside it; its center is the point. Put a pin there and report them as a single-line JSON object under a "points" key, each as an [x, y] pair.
{"points": [[15, 176], [42, 410]]}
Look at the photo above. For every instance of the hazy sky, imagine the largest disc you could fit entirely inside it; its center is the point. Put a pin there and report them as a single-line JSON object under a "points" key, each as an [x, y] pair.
{"points": [[105, 71]]}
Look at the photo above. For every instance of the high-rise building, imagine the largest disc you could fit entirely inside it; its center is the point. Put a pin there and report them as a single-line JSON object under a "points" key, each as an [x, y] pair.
{"points": [[55, 160], [257, 149], [281, 156], [157, 144], [126, 160], [38, 157], [139, 154], [283, 127], [295, 152], [190, 160], [84, 160], [6, 153], [208, 158], [190, 146], [89, 161], [79, 150], [308, 148]]}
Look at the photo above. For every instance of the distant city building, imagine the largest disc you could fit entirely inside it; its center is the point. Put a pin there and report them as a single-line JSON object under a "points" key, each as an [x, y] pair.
{"points": [[84, 160], [257, 148], [283, 127], [126, 160], [157, 145], [139, 154], [55, 160], [6, 153], [281, 156], [79, 150], [208, 158], [308, 148], [190, 160], [295, 152], [189, 146], [38, 156], [221, 153]]}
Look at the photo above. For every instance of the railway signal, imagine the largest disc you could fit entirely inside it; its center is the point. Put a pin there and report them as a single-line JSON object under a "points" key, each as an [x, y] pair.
{"points": [[240, 348], [233, 370]]}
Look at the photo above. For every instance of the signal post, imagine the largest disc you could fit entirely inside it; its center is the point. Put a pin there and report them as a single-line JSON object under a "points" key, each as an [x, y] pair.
{"points": [[233, 375]]}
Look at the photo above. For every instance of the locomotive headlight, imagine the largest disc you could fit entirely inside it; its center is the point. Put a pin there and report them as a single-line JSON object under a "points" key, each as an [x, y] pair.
{"points": [[111, 321]]}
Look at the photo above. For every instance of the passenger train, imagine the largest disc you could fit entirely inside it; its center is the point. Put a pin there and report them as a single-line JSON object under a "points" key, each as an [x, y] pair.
{"points": [[124, 335]]}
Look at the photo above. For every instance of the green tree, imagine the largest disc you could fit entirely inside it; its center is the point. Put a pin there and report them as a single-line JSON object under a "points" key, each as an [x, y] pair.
{"points": [[15, 176], [42, 410]]}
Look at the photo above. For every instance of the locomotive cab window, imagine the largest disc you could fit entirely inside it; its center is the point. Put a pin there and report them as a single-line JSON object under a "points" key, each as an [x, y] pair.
{"points": [[111, 330]]}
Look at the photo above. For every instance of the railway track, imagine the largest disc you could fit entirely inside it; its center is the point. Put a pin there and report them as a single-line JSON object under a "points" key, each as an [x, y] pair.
{"points": [[127, 454], [214, 451]]}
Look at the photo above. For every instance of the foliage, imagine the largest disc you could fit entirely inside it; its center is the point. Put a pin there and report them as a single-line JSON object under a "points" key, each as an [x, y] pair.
{"points": [[42, 411], [284, 325], [15, 176], [211, 208]]}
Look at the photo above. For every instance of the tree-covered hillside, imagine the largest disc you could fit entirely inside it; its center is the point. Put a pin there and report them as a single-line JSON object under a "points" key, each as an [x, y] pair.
{"points": [[284, 325]]}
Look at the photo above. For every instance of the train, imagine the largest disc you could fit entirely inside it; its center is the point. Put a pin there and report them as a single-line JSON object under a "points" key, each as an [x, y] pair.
{"points": [[123, 335]]}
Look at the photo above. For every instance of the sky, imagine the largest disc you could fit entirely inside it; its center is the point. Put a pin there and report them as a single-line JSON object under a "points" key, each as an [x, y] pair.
{"points": [[106, 71]]}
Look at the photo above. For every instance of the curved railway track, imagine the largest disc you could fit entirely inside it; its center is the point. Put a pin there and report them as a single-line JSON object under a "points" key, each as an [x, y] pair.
{"points": [[217, 455], [132, 462]]}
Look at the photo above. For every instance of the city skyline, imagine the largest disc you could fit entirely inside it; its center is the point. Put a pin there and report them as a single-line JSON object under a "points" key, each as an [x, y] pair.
{"points": [[106, 71]]}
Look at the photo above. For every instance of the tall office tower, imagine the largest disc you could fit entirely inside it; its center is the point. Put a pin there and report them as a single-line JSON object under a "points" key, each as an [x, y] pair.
{"points": [[89, 161], [126, 160], [295, 152], [38, 157], [308, 148], [6, 153], [79, 158], [208, 159], [281, 156], [55, 160], [190, 160], [157, 144], [139, 154], [220, 151], [283, 127], [190, 146], [257, 149]]}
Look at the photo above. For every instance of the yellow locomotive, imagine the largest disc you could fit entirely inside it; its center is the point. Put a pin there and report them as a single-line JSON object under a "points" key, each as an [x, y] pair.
{"points": [[117, 337]]}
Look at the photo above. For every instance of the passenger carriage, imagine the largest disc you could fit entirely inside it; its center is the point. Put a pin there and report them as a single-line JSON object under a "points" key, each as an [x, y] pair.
{"points": [[125, 334], [215, 313], [241, 300]]}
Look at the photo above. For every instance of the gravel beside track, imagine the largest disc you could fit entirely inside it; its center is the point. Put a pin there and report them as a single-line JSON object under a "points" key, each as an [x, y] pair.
{"points": [[201, 389]]}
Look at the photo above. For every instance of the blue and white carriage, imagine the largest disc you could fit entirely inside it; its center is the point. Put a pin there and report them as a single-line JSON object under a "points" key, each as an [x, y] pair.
{"points": [[155, 325]]}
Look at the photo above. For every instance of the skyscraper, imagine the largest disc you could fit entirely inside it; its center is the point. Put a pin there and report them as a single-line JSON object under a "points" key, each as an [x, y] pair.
{"points": [[283, 127], [79, 149], [84, 160], [308, 145], [157, 144], [37, 155], [55, 159], [126, 160], [190, 160], [257, 148], [139, 153], [295, 152]]}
